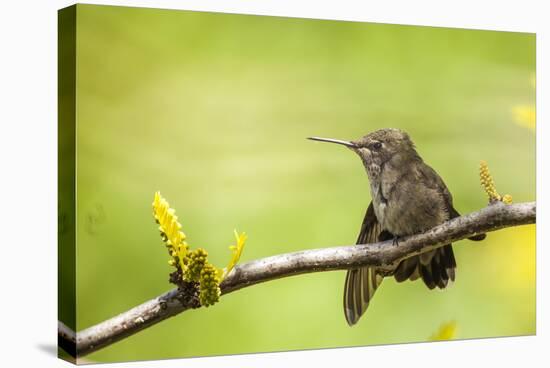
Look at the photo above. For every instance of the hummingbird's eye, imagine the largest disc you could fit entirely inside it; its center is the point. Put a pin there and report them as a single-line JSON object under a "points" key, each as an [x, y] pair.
{"points": [[377, 145]]}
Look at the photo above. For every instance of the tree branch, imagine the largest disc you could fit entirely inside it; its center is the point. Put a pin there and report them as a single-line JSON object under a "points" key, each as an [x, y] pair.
{"points": [[494, 217]]}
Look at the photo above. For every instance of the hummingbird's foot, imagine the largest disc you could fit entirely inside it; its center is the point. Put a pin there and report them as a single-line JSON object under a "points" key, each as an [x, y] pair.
{"points": [[395, 241]]}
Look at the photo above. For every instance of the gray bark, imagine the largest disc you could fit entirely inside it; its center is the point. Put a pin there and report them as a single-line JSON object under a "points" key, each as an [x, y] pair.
{"points": [[494, 217]]}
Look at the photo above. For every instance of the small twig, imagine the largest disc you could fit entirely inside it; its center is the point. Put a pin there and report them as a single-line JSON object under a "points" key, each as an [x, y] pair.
{"points": [[492, 218]]}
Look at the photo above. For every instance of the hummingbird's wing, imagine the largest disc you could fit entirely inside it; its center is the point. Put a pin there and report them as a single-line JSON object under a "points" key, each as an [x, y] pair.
{"points": [[436, 267], [361, 283], [433, 180]]}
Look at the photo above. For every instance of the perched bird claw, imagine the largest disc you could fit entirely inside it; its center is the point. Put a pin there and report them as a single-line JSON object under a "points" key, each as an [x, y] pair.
{"points": [[395, 241]]}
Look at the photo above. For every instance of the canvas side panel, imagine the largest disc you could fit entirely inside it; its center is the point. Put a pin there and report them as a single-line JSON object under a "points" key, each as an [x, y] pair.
{"points": [[66, 277]]}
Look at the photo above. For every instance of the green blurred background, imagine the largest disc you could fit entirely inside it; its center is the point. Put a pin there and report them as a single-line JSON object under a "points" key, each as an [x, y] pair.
{"points": [[213, 111]]}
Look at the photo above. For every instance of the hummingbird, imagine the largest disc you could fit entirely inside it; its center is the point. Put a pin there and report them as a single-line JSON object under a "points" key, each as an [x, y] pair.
{"points": [[407, 197]]}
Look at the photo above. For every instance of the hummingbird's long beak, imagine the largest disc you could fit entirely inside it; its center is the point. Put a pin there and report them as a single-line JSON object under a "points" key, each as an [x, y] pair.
{"points": [[337, 141]]}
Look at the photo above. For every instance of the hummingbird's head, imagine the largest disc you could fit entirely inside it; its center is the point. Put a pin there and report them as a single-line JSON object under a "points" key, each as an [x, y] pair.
{"points": [[384, 145], [380, 147]]}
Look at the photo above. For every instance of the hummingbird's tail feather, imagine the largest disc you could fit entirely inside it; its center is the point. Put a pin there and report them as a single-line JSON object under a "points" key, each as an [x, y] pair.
{"points": [[406, 269], [435, 268], [361, 283]]}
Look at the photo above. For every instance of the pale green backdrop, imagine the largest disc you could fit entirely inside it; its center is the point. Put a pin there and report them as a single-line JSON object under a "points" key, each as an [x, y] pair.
{"points": [[213, 111]]}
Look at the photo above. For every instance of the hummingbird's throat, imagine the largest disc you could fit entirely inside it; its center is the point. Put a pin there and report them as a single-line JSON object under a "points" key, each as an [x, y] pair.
{"points": [[373, 171]]}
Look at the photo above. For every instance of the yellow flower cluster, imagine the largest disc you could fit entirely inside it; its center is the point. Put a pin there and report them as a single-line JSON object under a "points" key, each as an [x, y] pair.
{"points": [[489, 185], [197, 260], [170, 230], [209, 285], [192, 266]]}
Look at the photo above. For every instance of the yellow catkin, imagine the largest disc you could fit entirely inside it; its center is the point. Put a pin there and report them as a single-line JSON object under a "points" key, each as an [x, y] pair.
{"points": [[488, 185], [209, 285], [487, 182], [193, 266], [170, 230], [197, 260]]}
